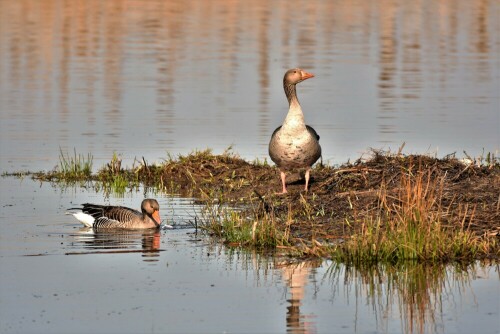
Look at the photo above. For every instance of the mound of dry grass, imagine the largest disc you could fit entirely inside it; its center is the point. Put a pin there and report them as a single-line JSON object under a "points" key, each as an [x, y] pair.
{"points": [[389, 206]]}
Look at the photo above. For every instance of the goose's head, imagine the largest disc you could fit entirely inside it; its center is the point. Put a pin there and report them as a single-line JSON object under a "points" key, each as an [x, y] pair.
{"points": [[296, 75], [151, 208]]}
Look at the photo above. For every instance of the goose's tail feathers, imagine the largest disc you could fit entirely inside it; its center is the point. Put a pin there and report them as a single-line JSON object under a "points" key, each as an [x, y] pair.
{"points": [[83, 218]]}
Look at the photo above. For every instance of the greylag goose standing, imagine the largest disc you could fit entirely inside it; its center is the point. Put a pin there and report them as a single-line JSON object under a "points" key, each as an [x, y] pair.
{"points": [[294, 144], [120, 217]]}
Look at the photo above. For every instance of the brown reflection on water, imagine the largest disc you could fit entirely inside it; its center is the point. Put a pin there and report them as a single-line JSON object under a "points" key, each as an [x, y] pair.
{"points": [[414, 291], [86, 62], [263, 71], [297, 276], [101, 241], [415, 294], [420, 40], [166, 53], [481, 41], [388, 68]]}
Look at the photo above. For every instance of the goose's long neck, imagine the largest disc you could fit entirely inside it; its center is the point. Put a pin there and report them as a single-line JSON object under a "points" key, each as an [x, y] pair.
{"points": [[148, 218], [295, 116]]}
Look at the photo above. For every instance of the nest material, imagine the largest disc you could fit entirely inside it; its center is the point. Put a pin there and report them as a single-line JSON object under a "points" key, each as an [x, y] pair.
{"points": [[458, 194]]}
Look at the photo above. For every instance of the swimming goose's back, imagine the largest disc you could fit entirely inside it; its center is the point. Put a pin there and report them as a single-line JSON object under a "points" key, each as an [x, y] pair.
{"points": [[120, 217]]}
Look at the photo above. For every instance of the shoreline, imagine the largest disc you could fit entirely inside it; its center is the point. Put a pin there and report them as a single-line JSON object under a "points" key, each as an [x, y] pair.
{"points": [[370, 198]]}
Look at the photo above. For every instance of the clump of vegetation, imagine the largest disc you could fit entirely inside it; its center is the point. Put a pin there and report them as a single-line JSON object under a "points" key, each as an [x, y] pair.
{"points": [[391, 208], [70, 169], [114, 179], [407, 225], [75, 167], [385, 208], [242, 226]]}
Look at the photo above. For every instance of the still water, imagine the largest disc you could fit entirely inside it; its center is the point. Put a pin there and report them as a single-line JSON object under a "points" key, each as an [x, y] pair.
{"points": [[143, 78], [56, 277], [148, 78]]}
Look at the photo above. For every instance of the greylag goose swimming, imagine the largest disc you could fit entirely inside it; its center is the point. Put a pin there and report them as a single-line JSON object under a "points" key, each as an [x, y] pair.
{"points": [[120, 217], [294, 144]]}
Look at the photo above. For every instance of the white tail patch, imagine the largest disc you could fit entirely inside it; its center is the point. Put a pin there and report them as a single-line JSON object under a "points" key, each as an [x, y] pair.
{"points": [[84, 218]]}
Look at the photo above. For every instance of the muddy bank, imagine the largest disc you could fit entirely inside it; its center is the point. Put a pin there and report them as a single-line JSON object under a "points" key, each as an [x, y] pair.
{"points": [[341, 198]]}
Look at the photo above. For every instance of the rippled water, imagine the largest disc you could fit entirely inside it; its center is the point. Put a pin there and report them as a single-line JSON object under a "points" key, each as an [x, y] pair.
{"points": [[143, 78], [56, 277], [146, 78]]}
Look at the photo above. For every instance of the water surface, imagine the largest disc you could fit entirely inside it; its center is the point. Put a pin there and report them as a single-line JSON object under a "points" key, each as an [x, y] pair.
{"points": [[148, 78], [56, 277], [143, 79]]}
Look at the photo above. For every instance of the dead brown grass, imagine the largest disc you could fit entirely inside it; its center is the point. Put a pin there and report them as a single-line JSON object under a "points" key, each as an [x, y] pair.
{"points": [[342, 201], [386, 187]]}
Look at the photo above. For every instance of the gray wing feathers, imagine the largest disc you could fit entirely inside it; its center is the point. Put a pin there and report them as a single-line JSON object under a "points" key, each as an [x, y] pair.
{"points": [[111, 216], [312, 132]]}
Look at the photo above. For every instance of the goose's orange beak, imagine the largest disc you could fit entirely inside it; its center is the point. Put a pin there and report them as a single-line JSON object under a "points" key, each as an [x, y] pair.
{"points": [[306, 75], [156, 217]]}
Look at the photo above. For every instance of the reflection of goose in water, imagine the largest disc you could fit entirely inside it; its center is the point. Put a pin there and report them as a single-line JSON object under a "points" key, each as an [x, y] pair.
{"points": [[119, 217], [105, 241], [296, 277]]}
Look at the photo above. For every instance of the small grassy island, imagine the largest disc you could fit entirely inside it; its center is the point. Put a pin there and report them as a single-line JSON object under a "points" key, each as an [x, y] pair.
{"points": [[386, 208]]}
